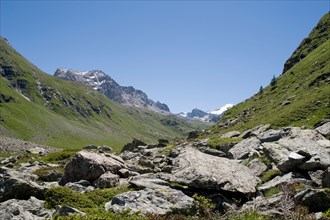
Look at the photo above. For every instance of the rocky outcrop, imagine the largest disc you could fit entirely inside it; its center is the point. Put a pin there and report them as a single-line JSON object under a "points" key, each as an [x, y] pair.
{"points": [[19, 185], [31, 209], [158, 201], [90, 166], [199, 170], [244, 148]]}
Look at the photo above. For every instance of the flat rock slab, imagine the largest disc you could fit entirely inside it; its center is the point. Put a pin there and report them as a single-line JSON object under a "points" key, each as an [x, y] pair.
{"points": [[158, 201], [203, 171]]}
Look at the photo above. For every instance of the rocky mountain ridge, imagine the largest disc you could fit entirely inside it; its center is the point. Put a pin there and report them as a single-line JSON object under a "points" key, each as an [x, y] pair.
{"points": [[99, 81]]}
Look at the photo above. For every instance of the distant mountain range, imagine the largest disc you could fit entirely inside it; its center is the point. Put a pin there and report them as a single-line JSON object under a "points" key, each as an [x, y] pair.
{"points": [[126, 95], [209, 117]]}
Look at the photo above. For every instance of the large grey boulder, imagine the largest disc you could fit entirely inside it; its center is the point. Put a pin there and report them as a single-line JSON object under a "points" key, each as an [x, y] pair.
{"points": [[324, 130], [203, 171], [150, 181], [158, 201], [107, 180], [271, 135], [90, 166], [289, 178], [242, 149], [302, 149], [257, 167], [19, 185], [31, 209]]}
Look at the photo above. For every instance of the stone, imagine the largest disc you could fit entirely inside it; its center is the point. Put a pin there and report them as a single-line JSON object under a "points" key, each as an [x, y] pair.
{"points": [[289, 178], [37, 150], [212, 151], [271, 135], [230, 134], [67, 211], [19, 185], [317, 200], [90, 166], [106, 180], [150, 181], [203, 171], [90, 147], [80, 186], [285, 160], [257, 167], [326, 178], [324, 130], [259, 129], [133, 145], [124, 173], [105, 148], [146, 162], [242, 149], [316, 176], [157, 201], [31, 209]]}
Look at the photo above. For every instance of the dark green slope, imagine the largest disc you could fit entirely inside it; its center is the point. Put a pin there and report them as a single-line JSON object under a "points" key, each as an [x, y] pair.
{"points": [[300, 96], [39, 107]]}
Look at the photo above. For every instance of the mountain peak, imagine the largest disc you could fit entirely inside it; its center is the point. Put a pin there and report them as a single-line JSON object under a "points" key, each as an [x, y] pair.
{"points": [[126, 95]]}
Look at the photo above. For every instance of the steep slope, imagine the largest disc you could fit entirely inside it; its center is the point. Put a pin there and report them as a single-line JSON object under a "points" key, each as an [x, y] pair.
{"points": [[300, 96], [41, 108], [126, 95]]}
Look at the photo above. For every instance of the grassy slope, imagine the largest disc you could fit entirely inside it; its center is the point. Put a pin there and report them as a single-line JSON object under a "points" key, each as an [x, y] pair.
{"points": [[306, 85], [68, 118]]}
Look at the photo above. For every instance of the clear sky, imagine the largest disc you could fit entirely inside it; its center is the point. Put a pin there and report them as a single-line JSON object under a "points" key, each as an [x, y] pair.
{"points": [[186, 54]]}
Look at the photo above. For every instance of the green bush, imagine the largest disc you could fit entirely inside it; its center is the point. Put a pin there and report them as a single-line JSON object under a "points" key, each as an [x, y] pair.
{"points": [[58, 156], [216, 142], [248, 215], [102, 196], [269, 174], [272, 191], [66, 196]]}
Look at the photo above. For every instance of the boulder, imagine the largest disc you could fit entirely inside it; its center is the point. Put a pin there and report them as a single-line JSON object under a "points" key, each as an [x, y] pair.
{"points": [[324, 130], [257, 167], [67, 211], [124, 173], [289, 178], [242, 149], [157, 201], [326, 178], [212, 151], [19, 185], [271, 135], [90, 166], [150, 181], [31, 209], [285, 160], [317, 200], [316, 176], [311, 145], [230, 134], [107, 180], [203, 171], [133, 145], [81, 186]]}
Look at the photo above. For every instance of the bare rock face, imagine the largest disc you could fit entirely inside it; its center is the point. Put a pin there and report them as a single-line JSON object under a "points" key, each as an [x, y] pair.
{"points": [[32, 209], [243, 148], [199, 170], [159, 201], [90, 166], [317, 200], [304, 149], [324, 130], [19, 185]]}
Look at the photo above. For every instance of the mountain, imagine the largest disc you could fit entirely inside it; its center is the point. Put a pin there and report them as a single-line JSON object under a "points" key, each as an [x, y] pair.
{"points": [[299, 96], [126, 95], [41, 108], [209, 117]]}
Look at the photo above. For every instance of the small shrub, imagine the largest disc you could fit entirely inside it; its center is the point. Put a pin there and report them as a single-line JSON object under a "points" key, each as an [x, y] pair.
{"points": [[269, 174], [327, 213], [204, 206], [248, 215], [58, 156], [215, 142], [66, 196], [272, 191]]}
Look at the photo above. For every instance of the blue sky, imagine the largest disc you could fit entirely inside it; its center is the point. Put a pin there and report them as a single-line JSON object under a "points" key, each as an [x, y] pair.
{"points": [[186, 54]]}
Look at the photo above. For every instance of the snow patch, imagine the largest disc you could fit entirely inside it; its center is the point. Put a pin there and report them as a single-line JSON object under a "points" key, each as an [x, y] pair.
{"points": [[222, 109]]}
